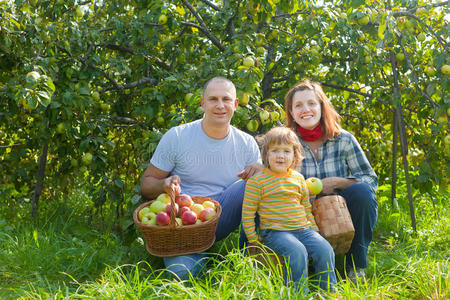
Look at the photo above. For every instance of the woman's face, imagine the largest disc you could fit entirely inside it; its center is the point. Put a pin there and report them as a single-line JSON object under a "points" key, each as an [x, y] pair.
{"points": [[306, 110]]}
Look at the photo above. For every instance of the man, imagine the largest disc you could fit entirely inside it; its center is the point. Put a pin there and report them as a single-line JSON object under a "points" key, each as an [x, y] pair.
{"points": [[207, 157]]}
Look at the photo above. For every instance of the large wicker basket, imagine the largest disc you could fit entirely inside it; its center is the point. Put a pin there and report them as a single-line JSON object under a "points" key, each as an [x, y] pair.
{"points": [[174, 240], [334, 222]]}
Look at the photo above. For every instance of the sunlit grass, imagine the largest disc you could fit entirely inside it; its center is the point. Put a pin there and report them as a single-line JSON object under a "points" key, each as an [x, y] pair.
{"points": [[65, 259]]}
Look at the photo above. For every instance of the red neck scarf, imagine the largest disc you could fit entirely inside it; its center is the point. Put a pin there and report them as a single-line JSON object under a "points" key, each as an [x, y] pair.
{"points": [[311, 135]]}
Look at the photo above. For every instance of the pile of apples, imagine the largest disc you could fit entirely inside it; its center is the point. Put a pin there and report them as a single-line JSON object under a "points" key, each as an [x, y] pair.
{"points": [[187, 212]]}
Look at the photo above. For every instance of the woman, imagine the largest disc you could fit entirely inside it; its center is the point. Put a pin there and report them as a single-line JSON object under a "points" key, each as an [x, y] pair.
{"points": [[333, 155]]}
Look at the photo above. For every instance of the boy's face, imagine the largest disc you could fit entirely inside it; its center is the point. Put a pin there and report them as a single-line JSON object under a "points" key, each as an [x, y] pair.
{"points": [[280, 157]]}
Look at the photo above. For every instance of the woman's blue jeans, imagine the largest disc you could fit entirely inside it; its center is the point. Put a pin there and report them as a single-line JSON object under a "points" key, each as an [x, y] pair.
{"points": [[362, 205], [230, 219], [297, 246]]}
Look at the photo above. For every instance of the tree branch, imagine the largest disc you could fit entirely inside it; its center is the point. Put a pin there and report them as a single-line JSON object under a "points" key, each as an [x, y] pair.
{"points": [[212, 5], [143, 81]]}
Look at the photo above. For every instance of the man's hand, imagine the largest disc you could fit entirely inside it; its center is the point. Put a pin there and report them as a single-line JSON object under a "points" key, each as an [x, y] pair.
{"points": [[330, 184], [250, 170], [172, 182]]}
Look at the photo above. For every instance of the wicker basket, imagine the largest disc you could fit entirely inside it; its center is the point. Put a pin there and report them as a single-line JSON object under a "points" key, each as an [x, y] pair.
{"points": [[174, 240], [334, 222]]}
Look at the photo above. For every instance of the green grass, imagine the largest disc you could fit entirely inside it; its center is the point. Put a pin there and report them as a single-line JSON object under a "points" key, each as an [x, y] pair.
{"points": [[64, 258]]}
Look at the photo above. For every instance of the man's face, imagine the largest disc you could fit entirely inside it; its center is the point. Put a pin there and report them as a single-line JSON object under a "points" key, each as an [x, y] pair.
{"points": [[219, 102]]}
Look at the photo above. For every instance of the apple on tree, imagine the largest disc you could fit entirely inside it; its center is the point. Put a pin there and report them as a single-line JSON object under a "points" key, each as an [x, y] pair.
{"points": [[314, 185]]}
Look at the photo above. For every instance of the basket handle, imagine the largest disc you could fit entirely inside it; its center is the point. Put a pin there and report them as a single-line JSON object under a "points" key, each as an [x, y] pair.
{"points": [[171, 191]]}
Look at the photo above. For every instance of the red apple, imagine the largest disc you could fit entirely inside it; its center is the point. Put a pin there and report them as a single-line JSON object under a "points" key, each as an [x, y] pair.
{"points": [[184, 200], [183, 209], [207, 214], [169, 207], [162, 218], [189, 217]]}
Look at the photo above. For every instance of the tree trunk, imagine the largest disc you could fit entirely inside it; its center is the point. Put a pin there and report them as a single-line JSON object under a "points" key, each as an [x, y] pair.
{"points": [[39, 181], [394, 158]]}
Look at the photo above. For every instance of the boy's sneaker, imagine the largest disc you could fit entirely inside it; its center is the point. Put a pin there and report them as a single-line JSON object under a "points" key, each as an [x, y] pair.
{"points": [[356, 275]]}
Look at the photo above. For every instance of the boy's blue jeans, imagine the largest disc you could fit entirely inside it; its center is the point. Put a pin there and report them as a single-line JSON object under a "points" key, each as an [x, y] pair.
{"points": [[297, 246], [230, 219]]}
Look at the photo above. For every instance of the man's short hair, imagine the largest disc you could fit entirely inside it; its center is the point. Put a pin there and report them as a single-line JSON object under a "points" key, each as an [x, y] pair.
{"points": [[218, 78]]}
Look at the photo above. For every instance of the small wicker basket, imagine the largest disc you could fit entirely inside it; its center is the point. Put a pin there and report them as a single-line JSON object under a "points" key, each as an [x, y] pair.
{"points": [[174, 240], [334, 222]]}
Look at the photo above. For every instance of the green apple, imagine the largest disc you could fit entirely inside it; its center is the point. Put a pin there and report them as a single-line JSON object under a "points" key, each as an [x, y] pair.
{"points": [[148, 221], [208, 203], [363, 20], [74, 162], [264, 116], [188, 97], [314, 185], [245, 99], [144, 212], [430, 70], [447, 140], [274, 115], [160, 120], [96, 96], [179, 222], [400, 57], [157, 206], [87, 159], [248, 62], [445, 69], [260, 51], [79, 12], [105, 107], [421, 37], [164, 198], [32, 77], [368, 59], [252, 125], [162, 19], [60, 128]]}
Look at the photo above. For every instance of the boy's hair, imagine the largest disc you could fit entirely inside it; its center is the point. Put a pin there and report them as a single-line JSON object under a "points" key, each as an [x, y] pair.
{"points": [[330, 119], [281, 135]]}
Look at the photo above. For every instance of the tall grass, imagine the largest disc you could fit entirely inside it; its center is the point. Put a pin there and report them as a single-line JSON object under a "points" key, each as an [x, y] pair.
{"points": [[64, 259]]}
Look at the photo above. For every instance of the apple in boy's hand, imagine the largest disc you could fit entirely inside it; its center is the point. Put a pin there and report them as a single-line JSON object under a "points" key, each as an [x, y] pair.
{"points": [[184, 200], [314, 185]]}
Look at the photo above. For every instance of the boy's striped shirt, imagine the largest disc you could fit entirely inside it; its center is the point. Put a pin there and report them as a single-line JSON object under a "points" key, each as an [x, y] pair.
{"points": [[281, 200]]}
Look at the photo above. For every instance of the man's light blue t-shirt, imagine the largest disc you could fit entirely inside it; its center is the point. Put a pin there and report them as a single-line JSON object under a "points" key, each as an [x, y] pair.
{"points": [[206, 166]]}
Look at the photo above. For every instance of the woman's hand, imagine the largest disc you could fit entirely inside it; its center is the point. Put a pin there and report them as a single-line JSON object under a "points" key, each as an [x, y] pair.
{"points": [[330, 184]]}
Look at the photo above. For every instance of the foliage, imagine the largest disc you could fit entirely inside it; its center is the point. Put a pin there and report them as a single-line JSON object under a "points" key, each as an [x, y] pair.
{"points": [[113, 77]]}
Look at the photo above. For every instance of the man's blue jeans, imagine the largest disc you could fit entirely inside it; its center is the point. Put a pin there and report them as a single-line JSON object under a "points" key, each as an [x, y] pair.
{"points": [[231, 202], [362, 205], [297, 246]]}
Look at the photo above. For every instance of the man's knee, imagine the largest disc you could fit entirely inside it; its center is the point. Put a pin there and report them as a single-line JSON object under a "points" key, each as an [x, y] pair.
{"points": [[182, 267], [360, 194]]}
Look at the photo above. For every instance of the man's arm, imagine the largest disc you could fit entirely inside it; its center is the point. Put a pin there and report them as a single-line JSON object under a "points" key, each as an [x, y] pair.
{"points": [[250, 170], [156, 181]]}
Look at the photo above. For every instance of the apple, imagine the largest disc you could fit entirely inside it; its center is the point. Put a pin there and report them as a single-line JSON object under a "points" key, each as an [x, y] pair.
{"points": [[197, 208], [208, 203], [157, 206], [430, 70], [198, 222], [144, 212], [179, 222], [207, 214], [447, 140], [448, 111], [60, 128], [149, 221], [162, 19], [162, 218], [368, 59], [314, 185], [184, 200], [183, 209], [79, 12], [274, 115], [400, 56], [445, 69], [189, 217], [169, 208], [252, 125], [164, 198], [421, 37], [32, 77], [260, 51], [74, 162], [363, 20], [264, 115], [105, 106], [248, 62], [244, 100], [87, 158], [188, 97], [96, 96], [160, 120]]}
